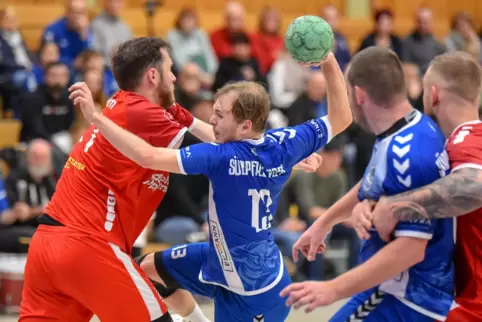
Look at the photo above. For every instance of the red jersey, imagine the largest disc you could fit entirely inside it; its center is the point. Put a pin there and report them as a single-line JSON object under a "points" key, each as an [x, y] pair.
{"points": [[103, 193], [464, 148]]}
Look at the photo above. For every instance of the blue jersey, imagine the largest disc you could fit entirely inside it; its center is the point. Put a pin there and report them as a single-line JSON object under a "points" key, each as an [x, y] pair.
{"points": [[246, 179], [69, 42], [410, 157]]}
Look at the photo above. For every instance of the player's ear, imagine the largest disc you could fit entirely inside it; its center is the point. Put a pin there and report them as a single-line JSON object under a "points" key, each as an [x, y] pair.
{"points": [[435, 93], [360, 95], [152, 75], [247, 126]]}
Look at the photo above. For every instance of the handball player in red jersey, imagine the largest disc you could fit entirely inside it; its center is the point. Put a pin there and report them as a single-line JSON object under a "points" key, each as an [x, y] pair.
{"points": [[452, 87], [78, 262]]}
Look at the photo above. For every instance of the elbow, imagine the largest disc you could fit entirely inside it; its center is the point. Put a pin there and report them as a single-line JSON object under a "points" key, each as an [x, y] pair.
{"points": [[343, 121]]}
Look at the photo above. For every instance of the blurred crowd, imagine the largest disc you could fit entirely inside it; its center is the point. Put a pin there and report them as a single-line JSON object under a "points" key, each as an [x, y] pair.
{"points": [[33, 88]]}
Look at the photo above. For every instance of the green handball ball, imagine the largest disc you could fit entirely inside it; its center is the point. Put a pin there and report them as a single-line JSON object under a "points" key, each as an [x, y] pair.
{"points": [[309, 39]]}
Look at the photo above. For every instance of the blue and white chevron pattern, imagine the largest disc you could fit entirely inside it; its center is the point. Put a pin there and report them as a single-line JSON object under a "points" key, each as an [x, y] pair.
{"points": [[401, 162]]}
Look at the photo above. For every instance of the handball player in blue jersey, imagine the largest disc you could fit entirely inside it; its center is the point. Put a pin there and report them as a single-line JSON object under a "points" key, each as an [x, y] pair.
{"points": [[411, 278], [240, 267]]}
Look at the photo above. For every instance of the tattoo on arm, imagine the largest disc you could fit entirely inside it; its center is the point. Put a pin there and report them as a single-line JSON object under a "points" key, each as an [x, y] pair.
{"points": [[456, 194]]}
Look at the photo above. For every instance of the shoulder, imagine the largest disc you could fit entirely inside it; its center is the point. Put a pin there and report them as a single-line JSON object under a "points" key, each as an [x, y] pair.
{"points": [[419, 143], [466, 134], [16, 175], [463, 145], [56, 25]]}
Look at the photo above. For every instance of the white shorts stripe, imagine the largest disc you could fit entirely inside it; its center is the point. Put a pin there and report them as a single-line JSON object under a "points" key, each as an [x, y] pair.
{"points": [[147, 294]]}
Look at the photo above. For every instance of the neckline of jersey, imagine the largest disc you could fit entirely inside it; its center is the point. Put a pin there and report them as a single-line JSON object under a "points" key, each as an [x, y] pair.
{"points": [[465, 123]]}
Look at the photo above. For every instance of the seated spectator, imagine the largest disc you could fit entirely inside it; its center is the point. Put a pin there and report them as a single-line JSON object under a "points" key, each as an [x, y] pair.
{"points": [[222, 39], [48, 53], [91, 59], [315, 192], [311, 103], [342, 48], [464, 37], [48, 112], [188, 86], [286, 80], [383, 35], [190, 44], [241, 66], [413, 80], [15, 59], [109, 30], [28, 190], [421, 46], [72, 32], [269, 38]]}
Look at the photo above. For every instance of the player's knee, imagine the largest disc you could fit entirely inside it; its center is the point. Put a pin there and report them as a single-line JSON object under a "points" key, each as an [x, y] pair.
{"points": [[147, 264]]}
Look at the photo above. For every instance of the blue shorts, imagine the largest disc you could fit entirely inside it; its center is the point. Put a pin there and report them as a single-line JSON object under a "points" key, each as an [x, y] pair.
{"points": [[180, 267], [373, 306]]}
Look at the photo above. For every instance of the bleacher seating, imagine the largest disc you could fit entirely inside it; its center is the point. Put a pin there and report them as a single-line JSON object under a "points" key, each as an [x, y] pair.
{"points": [[34, 15]]}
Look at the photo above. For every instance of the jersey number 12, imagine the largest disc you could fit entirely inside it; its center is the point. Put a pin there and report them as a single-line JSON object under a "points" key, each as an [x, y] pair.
{"points": [[258, 196]]}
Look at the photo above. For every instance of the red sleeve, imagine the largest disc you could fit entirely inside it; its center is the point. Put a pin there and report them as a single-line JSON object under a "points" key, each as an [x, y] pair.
{"points": [[154, 124], [465, 148], [181, 115]]}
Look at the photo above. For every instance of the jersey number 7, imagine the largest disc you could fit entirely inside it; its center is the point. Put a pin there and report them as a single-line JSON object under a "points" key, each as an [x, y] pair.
{"points": [[90, 143], [258, 196]]}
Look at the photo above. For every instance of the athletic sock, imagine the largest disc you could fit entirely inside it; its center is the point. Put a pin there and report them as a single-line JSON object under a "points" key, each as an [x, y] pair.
{"points": [[196, 316]]}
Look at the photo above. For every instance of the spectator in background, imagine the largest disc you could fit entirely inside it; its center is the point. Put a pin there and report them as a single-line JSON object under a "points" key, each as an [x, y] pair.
{"points": [[315, 192], [188, 86], [269, 38], [240, 66], [311, 103], [109, 31], [71, 33], [48, 113], [341, 48], [413, 81], [91, 59], [48, 53], [464, 37], [94, 80], [286, 80], [421, 47], [190, 44], [15, 59], [222, 39], [383, 35], [28, 190]]}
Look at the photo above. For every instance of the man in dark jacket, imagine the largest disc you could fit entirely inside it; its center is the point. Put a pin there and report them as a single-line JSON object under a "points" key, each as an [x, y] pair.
{"points": [[28, 190], [48, 110], [241, 66]]}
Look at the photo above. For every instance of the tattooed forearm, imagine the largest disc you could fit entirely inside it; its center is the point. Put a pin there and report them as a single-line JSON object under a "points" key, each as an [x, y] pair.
{"points": [[456, 194]]}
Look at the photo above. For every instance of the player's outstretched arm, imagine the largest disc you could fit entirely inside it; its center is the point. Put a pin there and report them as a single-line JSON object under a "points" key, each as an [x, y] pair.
{"points": [[203, 131], [127, 143], [339, 112], [135, 148], [389, 262], [311, 240], [454, 195]]}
